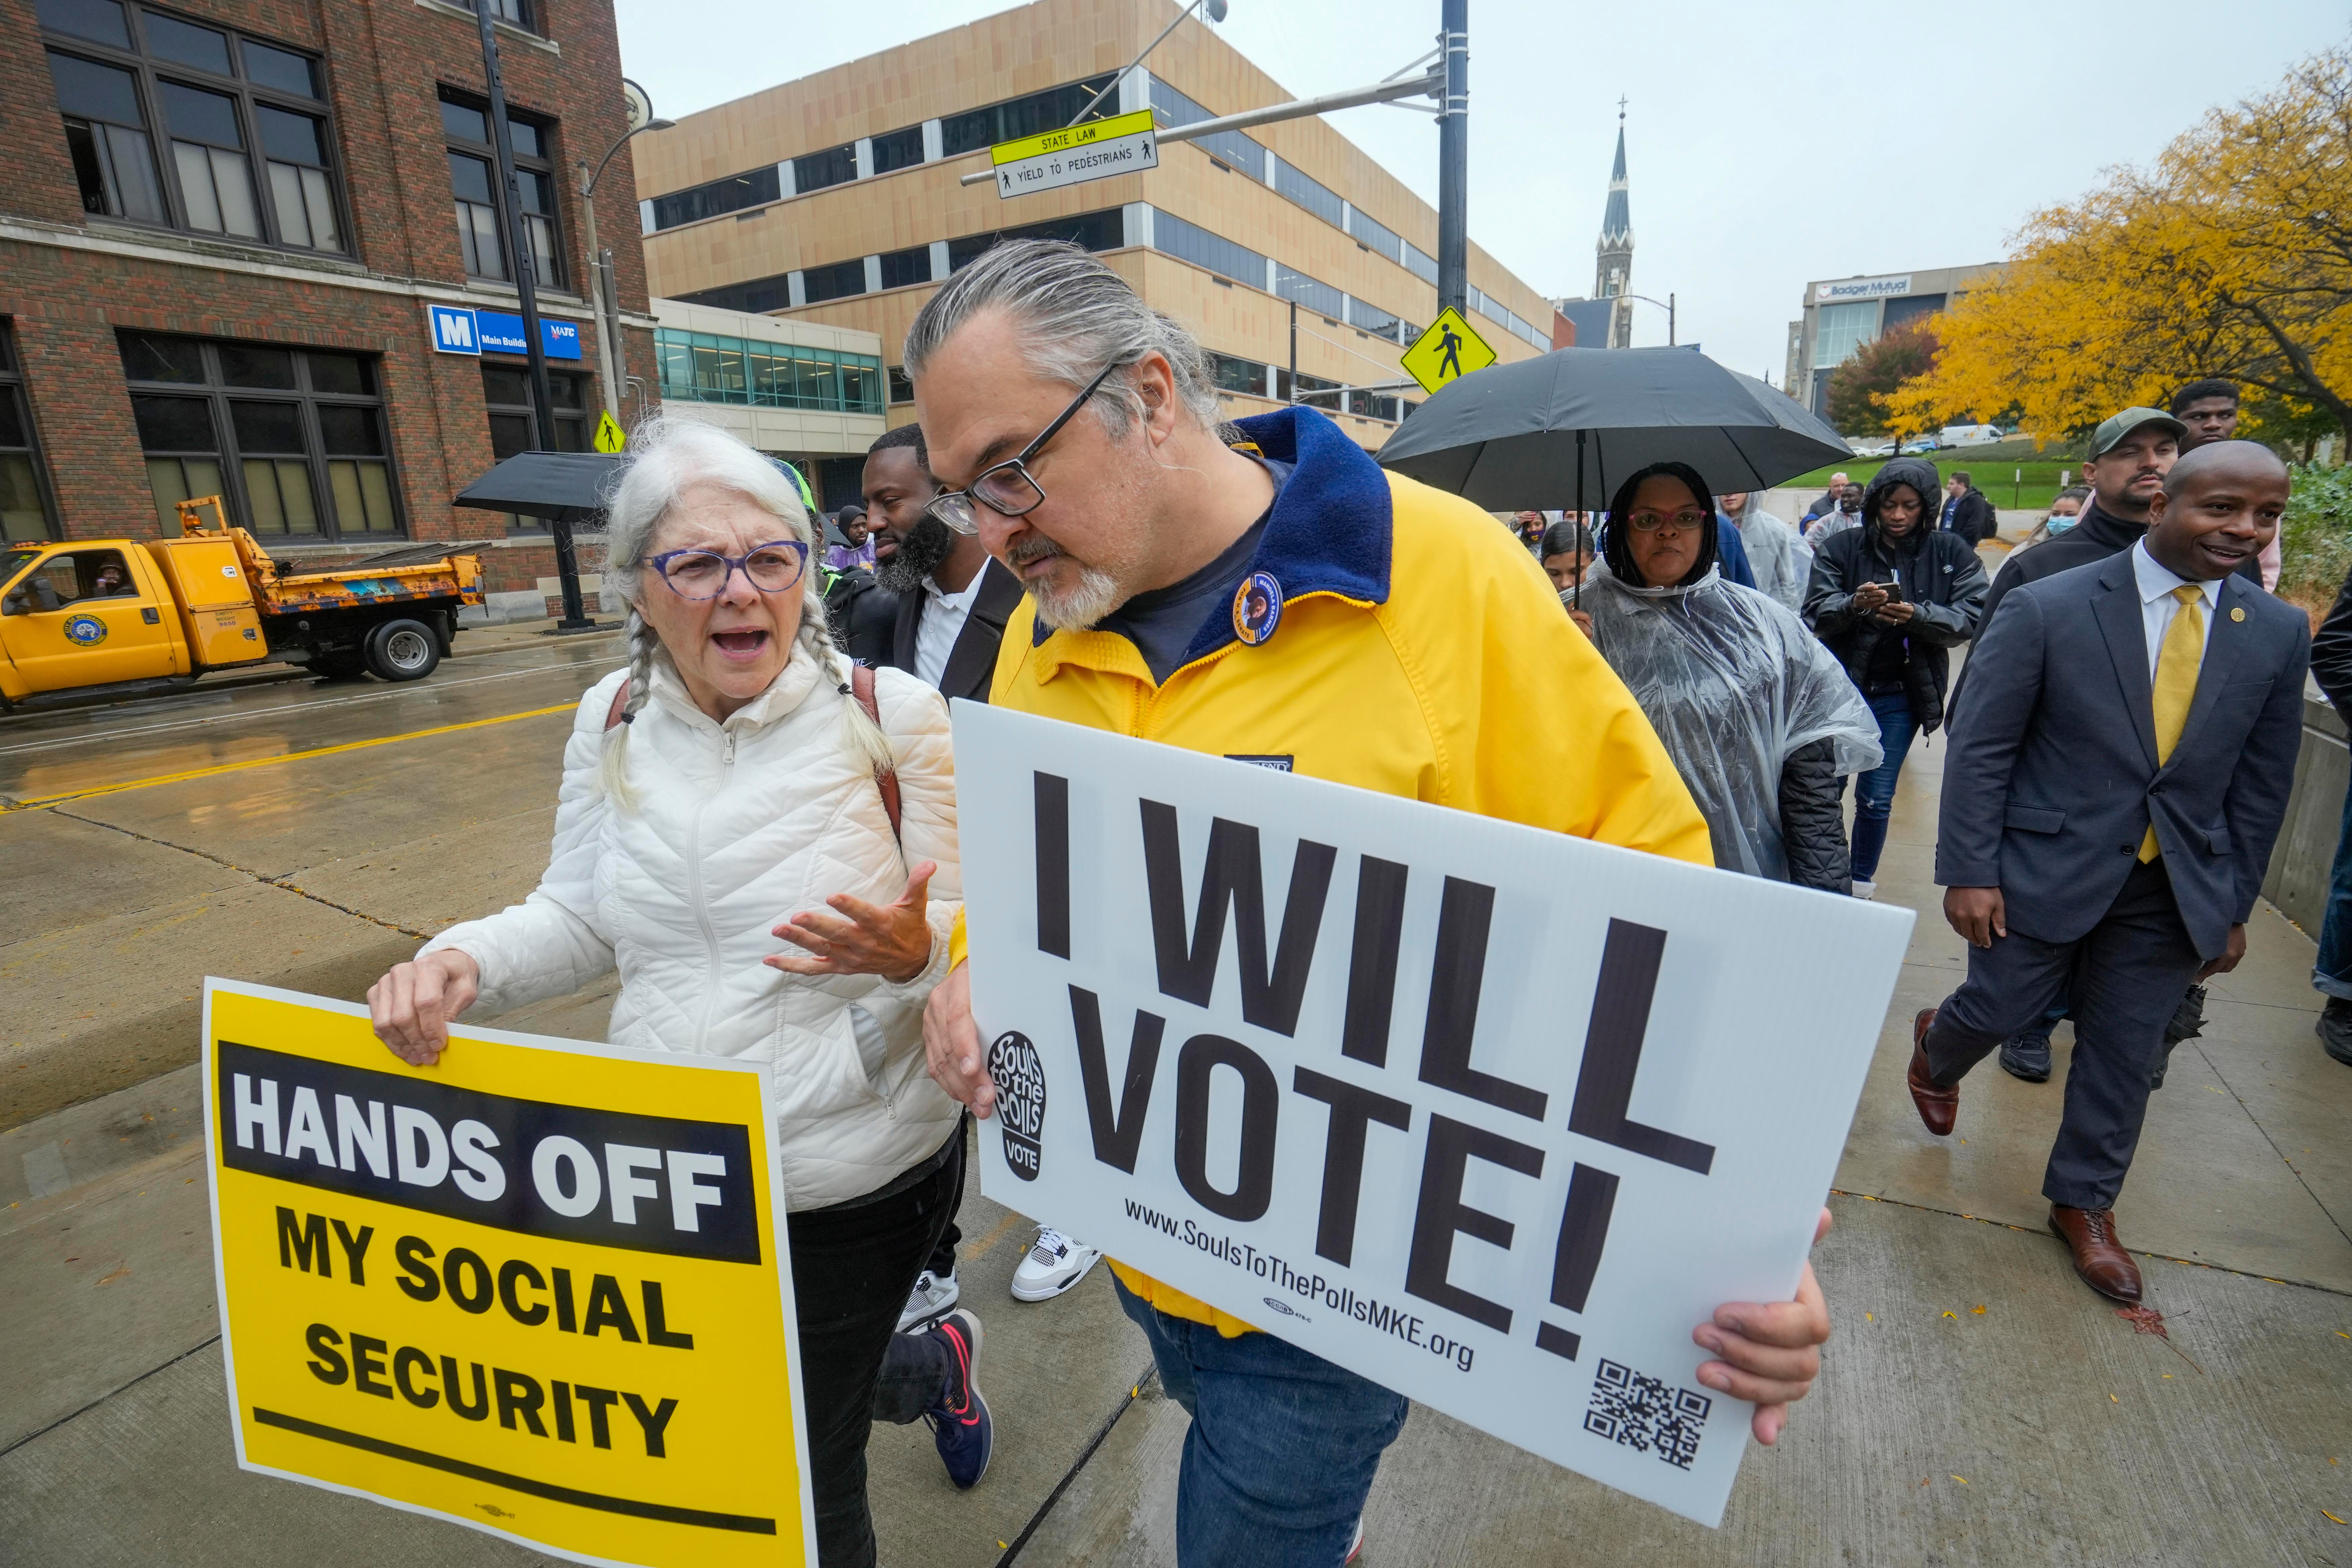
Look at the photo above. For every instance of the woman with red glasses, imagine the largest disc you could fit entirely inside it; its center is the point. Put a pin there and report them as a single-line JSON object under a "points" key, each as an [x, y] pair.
{"points": [[1759, 719]]}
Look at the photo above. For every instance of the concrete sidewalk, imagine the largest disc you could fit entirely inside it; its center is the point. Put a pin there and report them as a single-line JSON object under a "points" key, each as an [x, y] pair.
{"points": [[1978, 1406]]}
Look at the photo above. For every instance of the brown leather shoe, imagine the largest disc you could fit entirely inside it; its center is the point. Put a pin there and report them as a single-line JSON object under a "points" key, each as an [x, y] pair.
{"points": [[1939, 1107], [2099, 1257]]}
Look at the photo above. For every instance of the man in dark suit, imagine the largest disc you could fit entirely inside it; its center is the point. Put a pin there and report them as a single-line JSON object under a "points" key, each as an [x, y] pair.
{"points": [[953, 599], [2117, 778]]}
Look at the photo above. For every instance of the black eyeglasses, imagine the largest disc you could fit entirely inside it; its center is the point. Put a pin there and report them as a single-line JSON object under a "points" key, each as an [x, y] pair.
{"points": [[1008, 489]]}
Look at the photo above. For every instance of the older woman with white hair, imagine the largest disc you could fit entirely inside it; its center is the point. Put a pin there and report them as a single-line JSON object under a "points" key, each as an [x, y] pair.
{"points": [[738, 770]]}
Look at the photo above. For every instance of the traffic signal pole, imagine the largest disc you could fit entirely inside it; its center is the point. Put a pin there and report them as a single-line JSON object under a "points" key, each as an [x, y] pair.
{"points": [[1454, 161]]}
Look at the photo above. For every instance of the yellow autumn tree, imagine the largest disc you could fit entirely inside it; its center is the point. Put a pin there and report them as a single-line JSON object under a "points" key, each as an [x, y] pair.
{"points": [[2231, 257]]}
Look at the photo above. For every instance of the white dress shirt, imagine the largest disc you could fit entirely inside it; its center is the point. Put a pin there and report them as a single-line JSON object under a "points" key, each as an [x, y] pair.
{"points": [[2157, 607], [942, 623]]}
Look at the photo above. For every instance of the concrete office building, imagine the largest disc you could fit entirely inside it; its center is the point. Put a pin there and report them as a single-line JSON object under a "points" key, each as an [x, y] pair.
{"points": [[1840, 314], [226, 234], [835, 199], [809, 392]]}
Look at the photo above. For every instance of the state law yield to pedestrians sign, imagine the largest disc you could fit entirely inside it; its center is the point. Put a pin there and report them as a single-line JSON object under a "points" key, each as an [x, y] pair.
{"points": [[1450, 350], [537, 1290], [1123, 145], [1492, 1116]]}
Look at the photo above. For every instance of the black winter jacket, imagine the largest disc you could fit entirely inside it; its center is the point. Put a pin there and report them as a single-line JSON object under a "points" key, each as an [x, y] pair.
{"points": [[2331, 653], [862, 615], [1973, 518], [1812, 818], [1941, 578]]}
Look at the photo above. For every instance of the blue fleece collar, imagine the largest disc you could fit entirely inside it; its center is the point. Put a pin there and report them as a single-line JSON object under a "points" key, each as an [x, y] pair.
{"points": [[1333, 525]]}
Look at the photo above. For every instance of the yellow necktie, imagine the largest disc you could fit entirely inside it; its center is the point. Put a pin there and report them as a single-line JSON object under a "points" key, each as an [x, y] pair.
{"points": [[2176, 683]]}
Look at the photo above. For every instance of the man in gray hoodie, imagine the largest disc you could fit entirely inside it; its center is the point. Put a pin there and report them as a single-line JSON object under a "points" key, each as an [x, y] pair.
{"points": [[1779, 558]]}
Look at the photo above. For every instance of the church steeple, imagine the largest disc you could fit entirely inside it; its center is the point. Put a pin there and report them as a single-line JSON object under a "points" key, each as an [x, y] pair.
{"points": [[1613, 270]]}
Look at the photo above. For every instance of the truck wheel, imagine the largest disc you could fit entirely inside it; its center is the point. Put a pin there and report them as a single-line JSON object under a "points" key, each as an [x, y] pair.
{"points": [[402, 650]]}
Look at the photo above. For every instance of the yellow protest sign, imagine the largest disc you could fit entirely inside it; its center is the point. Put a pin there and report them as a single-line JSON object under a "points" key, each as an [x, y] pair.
{"points": [[610, 437], [537, 1290], [1450, 350]]}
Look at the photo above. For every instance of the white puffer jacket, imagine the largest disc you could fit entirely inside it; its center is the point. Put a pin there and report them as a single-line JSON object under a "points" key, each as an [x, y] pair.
{"points": [[739, 827]]}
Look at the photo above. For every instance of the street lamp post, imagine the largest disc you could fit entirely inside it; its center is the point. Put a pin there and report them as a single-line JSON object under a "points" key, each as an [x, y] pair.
{"points": [[1453, 162], [1667, 305], [605, 302]]}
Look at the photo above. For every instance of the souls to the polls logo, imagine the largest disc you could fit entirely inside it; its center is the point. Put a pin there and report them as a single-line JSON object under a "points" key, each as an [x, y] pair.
{"points": [[87, 630], [1020, 1077]]}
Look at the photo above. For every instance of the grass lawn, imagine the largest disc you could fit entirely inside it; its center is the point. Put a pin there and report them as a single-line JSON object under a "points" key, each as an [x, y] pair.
{"points": [[2043, 477]]}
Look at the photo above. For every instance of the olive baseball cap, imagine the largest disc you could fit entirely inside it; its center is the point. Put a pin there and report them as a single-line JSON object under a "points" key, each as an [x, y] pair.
{"points": [[2117, 426]]}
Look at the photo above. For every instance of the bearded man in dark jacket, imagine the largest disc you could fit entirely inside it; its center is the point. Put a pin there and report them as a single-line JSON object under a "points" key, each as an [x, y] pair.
{"points": [[1891, 599]]}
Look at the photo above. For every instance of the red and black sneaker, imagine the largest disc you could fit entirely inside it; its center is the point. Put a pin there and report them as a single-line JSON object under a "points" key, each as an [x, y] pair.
{"points": [[960, 1422]]}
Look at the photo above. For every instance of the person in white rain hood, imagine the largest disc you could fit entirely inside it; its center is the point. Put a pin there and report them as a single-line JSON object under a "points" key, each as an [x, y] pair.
{"points": [[1782, 561]]}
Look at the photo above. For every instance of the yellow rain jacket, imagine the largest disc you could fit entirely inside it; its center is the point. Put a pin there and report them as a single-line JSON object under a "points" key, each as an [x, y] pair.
{"points": [[1419, 651]]}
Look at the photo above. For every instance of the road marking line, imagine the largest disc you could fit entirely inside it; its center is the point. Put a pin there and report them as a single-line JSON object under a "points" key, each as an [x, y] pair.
{"points": [[7, 805], [281, 709]]}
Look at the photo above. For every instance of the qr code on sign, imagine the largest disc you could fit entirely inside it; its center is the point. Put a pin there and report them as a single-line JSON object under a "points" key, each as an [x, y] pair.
{"points": [[1646, 1415]]}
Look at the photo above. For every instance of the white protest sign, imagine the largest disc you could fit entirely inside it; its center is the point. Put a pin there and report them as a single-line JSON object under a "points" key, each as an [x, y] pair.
{"points": [[1492, 1116]]}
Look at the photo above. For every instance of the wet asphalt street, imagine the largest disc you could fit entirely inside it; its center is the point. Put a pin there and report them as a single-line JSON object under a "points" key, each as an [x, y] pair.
{"points": [[275, 828]]}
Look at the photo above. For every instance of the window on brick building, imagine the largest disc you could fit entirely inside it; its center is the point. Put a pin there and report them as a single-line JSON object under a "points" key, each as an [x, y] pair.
{"points": [[517, 12], [291, 440], [171, 121], [26, 508], [473, 184], [506, 389]]}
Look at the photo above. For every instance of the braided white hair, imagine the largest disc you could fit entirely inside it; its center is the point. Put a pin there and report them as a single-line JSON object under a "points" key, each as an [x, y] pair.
{"points": [[666, 454]]}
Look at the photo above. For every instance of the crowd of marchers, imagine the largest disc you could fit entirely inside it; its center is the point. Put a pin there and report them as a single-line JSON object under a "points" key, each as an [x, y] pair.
{"points": [[757, 825], [2122, 745]]}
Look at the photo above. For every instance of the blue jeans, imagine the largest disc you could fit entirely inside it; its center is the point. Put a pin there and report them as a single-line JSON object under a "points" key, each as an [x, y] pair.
{"points": [[1873, 792], [1283, 1448], [2333, 973]]}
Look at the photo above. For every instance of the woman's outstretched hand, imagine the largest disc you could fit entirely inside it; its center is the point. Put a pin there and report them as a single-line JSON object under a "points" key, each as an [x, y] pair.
{"points": [[412, 1005], [891, 939]]}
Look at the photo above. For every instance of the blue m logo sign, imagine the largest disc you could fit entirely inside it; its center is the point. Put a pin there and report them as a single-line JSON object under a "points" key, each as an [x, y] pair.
{"points": [[453, 330]]}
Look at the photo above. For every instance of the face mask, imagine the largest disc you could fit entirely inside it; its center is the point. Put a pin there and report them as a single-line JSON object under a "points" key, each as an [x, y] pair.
{"points": [[2060, 524]]}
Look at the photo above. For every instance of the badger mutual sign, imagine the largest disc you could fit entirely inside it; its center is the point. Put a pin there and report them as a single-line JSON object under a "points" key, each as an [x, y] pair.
{"points": [[1492, 1116], [536, 1289]]}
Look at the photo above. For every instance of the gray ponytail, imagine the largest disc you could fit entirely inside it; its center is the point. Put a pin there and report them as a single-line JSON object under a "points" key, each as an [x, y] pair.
{"points": [[666, 454]]}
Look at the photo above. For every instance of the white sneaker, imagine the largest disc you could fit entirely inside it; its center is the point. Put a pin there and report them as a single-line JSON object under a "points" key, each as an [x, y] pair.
{"points": [[1865, 890], [1055, 1264], [933, 1296]]}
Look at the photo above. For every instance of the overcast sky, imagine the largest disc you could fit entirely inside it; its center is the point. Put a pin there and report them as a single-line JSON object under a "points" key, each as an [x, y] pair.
{"points": [[1767, 145]]}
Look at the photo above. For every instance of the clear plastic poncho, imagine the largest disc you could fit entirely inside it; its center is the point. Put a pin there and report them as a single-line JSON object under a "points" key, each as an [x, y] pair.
{"points": [[1733, 683]]}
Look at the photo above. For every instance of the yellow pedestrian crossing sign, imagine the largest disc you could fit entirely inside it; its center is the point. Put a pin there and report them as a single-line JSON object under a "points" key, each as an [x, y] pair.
{"points": [[611, 438], [1447, 351]]}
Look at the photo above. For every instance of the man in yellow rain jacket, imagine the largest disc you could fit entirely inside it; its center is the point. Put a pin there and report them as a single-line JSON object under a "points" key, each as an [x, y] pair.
{"points": [[1283, 601]]}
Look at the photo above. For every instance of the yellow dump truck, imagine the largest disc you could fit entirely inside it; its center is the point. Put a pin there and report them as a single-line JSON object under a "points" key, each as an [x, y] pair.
{"points": [[93, 619]]}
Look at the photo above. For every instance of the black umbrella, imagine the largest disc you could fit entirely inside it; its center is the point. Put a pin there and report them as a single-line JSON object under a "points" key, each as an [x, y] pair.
{"points": [[1507, 438], [567, 485], [1515, 437]]}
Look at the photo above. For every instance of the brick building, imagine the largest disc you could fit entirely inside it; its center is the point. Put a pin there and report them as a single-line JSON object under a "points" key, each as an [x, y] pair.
{"points": [[224, 227]]}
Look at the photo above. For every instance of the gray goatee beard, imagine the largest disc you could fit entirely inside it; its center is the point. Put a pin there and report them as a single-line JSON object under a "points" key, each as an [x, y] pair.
{"points": [[1075, 608]]}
